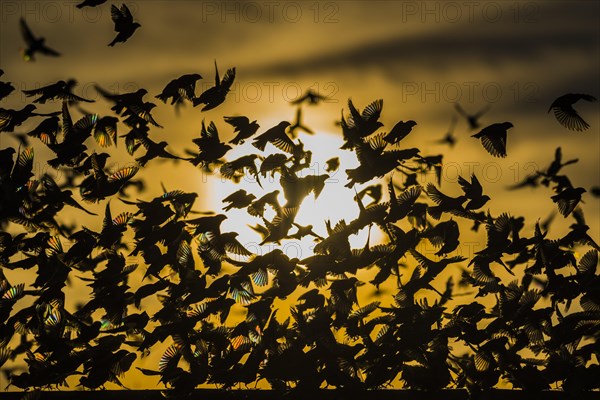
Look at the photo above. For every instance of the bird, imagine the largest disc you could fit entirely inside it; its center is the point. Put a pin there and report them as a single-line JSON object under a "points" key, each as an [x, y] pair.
{"points": [[360, 125], [277, 136], [60, 90], [214, 96], [493, 138], [6, 88], [34, 45], [90, 3], [566, 115], [210, 146], [236, 169], [243, 127], [568, 199], [10, 119], [449, 138], [298, 125], [399, 131], [474, 192], [332, 164], [154, 150], [238, 199], [124, 24], [180, 89], [472, 119], [444, 202], [311, 97]]}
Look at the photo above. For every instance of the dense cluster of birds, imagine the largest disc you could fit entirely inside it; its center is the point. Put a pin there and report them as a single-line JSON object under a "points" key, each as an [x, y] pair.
{"points": [[537, 329]]}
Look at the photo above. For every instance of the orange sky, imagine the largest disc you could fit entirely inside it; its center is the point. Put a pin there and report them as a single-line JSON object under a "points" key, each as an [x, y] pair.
{"points": [[420, 57]]}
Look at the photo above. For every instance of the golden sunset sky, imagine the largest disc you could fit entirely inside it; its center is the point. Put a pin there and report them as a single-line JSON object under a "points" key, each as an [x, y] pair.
{"points": [[420, 57]]}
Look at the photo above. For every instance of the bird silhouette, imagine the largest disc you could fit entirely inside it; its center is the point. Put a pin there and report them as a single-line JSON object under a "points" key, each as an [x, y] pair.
{"points": [[566, 115], [493, 138], [399, 131], [60, 90], [238, 199], [310, 97], [210, 146], [472, 119], [90, 3], [180, 89], [34, 44], [277, 136], [332, 164], [568, 199], [449, 137], [243, 127], [360, 125], [474, 192], [124, 24], [6, 88], [298, 125], [214, 96]]}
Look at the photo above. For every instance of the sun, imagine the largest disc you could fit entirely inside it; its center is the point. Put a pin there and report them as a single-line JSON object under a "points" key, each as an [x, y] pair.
{"points": [[335, 202]]}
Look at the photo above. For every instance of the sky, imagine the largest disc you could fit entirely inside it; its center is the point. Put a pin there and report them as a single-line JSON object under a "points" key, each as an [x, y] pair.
{"points": [[419, 57]]}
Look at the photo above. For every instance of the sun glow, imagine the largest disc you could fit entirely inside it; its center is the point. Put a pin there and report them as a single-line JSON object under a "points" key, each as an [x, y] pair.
{"points": [[334, 203]]}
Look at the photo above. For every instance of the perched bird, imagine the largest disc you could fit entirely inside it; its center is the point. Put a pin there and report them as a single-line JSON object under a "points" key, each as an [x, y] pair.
{"points": [[311, 97], [34, 45], [60, 90], [180, 89], [474, 192], [493, 138], [90, 3], [566, 115], [332, 164], [399, 131], [472, 119], [214, 96], [568, 199], [210, 146], [243, 127], [238, 199], [124, 25]]}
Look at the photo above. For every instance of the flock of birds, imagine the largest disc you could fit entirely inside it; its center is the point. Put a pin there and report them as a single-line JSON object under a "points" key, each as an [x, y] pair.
{"points": [[523, 331]]}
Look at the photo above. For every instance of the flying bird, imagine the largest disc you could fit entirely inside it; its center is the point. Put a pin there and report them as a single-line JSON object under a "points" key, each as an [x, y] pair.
{"points": [[60, 90], [332, 164], [310, 97], [399, 131], [214, 96], [238, 199], [566, 115], [449, 138], [210, 146], [243, 127], [180, 89], [6, 88], [299, 125], [34, 45], [124, 25], [277, 136], [472, 119], [568, 199], [474, 192], [90, 3], [493, 138]]}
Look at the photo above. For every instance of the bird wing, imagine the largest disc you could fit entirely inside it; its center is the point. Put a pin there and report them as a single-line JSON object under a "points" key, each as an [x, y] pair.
{"points": [[494, 141], [568, 117], [26, 32], [372, 111], [228, 79]]}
